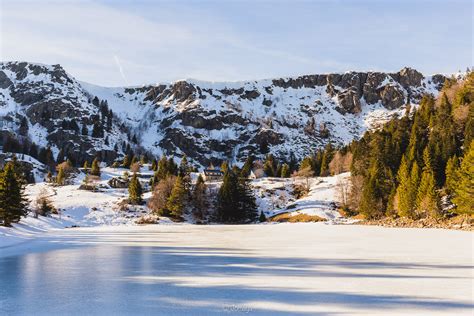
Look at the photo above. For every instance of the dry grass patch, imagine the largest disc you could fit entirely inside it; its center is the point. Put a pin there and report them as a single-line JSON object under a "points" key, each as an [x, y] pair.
{"points": [[298, 218], [147, 219]]}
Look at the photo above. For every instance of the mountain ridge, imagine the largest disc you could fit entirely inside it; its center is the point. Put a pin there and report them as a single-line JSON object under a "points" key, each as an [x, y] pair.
{"points": [[208, 121]]}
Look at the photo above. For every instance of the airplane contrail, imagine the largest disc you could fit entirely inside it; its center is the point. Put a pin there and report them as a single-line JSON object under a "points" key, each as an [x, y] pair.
{"points": [[117, 61]]}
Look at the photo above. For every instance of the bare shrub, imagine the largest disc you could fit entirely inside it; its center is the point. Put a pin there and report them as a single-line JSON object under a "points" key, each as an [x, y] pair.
{"points": [[357, 184], [135, 168], [161, 193], [340, 163], [147, 219], [299, 191], [43, 204], [343, 191], [305, 173]]}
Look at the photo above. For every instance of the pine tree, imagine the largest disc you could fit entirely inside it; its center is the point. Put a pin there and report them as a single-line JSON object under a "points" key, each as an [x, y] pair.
{"points": [[163, 170], [375, 188], [464, 190], [199, 198], [23, 127], [262, 218], [427, 197], [469, 127], [184, 167], [97, 130], [33, 150], [135, 190], [172, 167], [126, 162], [415, 182], [247, 167], [86, 166], [227, 199], [177, 200], [369, 204], [268, 169], [247, 202], [46, 156], [278, 170], [225, 166], [269, 166], [235, 200], [326, 159], [405, 202], [154, 165], [452, 174], [285, 171], [306, 163], [84, 130], [12, 201], [95, 169], [134, 160]]}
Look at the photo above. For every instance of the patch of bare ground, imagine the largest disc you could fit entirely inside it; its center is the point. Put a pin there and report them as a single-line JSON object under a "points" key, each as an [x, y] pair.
{"points": [[459, 222]]}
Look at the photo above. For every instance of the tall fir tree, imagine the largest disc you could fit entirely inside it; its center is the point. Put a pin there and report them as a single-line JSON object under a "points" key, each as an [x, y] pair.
{"points": [[326, 159], [427, 198], [199, 199], [95, 168], [86, 166], [464, 190], [369, 204], [247, 203], [227, 199], [12, 200], [135, 190], [126, 161], [178, 198], [452, 174], [285, 171], [404, 196], [247, 167]]}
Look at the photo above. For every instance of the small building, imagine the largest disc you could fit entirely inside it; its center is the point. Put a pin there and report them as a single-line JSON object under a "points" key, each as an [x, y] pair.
{"points": [[118, 183], [213, 175], [257, 173]]}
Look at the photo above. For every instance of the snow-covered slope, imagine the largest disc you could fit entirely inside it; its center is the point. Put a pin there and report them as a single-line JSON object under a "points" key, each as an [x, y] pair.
{"points": [[105, 208], [275, 196], [207, 121]]}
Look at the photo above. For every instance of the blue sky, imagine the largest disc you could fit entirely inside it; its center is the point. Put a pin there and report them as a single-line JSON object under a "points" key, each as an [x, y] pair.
{"points": [[116, 43]]}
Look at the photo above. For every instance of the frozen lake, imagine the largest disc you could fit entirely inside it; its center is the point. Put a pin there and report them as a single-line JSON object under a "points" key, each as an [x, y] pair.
{"points": [[285, 269]]}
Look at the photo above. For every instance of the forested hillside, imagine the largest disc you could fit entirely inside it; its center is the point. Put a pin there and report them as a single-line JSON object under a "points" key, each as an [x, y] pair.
{"points": [[421, 164]]}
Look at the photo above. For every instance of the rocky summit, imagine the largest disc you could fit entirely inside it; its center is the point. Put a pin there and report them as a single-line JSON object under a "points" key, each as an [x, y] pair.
{"points": [[207, 121]]}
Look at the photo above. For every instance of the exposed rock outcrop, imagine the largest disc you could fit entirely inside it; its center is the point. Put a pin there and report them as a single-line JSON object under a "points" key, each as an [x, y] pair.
{"points": [[206, 121]]}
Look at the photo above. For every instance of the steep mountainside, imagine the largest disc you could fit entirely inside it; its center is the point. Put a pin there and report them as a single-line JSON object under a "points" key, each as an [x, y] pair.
{"points": [[206, 121]]}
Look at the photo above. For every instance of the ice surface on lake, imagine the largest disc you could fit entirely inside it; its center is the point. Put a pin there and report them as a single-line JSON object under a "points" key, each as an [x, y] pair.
{"points": [[280, 269]]}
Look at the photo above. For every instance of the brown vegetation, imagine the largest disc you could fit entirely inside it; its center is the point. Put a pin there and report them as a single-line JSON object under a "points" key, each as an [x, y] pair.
{"points": [[298, 218]]}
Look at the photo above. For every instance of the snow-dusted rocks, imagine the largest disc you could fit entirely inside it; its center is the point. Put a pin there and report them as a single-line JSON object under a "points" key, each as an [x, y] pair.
{"points": [[207, 121]]}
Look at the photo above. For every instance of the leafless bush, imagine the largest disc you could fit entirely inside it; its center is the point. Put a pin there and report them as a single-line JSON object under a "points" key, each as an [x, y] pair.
{"points": [[340, 163], [343, 190], [357, 184], [135, 168], [161, 193], [43, 204], [305, 173]]}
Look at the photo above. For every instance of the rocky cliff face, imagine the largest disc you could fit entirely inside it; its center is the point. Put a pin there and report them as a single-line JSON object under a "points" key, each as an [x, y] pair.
{"points": [[206, 121]]}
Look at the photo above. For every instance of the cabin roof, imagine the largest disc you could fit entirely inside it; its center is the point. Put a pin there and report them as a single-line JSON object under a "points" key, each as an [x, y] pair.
{"points": [[212, 172]]}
